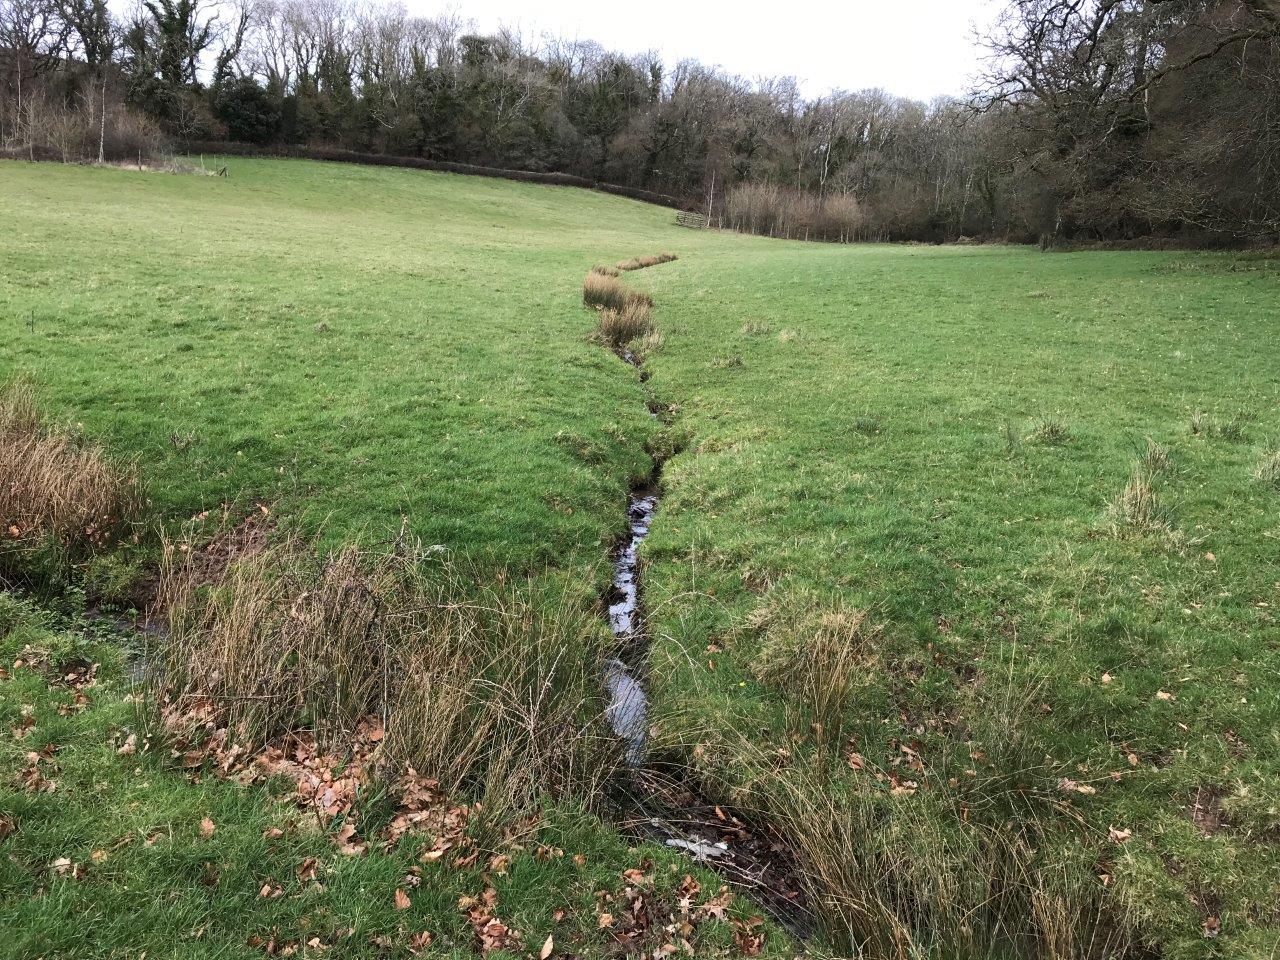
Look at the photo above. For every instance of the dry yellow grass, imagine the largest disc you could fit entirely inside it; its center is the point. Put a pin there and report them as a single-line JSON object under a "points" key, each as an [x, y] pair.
{"points": [[1138, 508], [487, 687], [619, 327], [639, 263], [610, 293], [56, 487]]}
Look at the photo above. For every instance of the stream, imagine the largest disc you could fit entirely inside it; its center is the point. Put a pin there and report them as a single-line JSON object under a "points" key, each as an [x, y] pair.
{"points": [[627, 711], [661, 801]]}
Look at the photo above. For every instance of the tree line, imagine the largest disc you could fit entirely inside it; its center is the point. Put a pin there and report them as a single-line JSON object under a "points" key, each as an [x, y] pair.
{"points": [[1093, 120]]}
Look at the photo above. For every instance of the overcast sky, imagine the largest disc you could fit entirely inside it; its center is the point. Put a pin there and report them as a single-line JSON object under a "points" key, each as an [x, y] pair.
{"points": [[914, 48]]}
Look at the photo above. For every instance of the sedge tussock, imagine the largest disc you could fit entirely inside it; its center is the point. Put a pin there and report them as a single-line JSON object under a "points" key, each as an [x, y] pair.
{"points": [[492, 685], [639, 263], [617, 328], [56, 489]]}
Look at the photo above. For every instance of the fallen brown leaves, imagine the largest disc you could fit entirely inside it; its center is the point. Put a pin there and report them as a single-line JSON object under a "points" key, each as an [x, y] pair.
{"points": [[36, 775], [326, 783], [490, 932], [643, 920]]}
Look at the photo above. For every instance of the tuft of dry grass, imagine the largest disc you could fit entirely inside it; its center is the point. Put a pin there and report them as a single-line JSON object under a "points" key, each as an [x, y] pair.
{"points": [[1269, 469], [479, 686], [639, 263], [57, 489], [605, 292], [1138, 508], [618, 328], [1155, 458], [820, 658], [604, 270]]}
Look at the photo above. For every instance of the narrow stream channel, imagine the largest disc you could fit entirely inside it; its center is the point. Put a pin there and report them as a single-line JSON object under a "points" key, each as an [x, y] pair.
{"points": [[662, 803], [628, 712]]}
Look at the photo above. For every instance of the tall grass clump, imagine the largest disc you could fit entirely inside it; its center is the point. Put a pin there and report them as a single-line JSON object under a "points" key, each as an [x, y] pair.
{"points": [[479, 683], [61, 497], [605, 270], [639, 263], [617, 328], [820, 659], [1269, 470], [606, 292], [1050, 432], [1156, 458], [1138, 508], [954, 847]]}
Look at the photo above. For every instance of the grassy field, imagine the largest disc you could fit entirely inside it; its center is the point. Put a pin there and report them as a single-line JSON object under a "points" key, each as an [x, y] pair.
{"points": [[966, 570]]}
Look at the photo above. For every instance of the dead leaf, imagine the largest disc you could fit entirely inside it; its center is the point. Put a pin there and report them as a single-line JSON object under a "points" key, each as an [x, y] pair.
{"points": [[402, 900], [547, 947], [1118, 836], [420, 941], [1165, 695], [207, 827], [1067, 785]]}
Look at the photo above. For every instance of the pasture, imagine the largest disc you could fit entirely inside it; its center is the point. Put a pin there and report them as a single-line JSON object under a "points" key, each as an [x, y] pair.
{"points": [[964, 574]]}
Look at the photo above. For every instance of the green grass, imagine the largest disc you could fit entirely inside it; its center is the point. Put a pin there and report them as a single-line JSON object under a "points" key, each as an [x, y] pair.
{"points": [[177, 318], [865, 428]]}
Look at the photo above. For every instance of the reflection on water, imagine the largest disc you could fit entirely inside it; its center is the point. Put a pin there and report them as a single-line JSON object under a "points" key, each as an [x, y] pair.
{"points": [[628, 705]]}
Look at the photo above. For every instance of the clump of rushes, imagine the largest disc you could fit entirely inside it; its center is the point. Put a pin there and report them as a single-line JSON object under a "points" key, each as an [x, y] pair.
{"points": [[1269, 470], [57, 491], [606, 292], [618, 328], [820, 659], [1050, 431], [489, 687], [1155, 458], [639, 263], [604, 270], [1138, 508]]}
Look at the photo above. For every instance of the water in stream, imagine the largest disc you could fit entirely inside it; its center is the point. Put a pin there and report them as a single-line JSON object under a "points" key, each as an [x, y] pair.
{"points": [[627, 711]]}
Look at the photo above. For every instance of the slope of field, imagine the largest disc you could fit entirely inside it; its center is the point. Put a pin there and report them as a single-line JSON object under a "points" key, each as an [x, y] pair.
{"points": [[966, 570], [356, 344]]}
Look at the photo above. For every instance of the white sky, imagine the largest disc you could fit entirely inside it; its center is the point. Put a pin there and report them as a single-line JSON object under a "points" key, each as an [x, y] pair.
{"points": [[913, 48]]}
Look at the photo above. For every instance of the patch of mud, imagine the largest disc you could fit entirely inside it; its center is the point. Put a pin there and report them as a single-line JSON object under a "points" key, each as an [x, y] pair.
{"points": [[1206, 811], [210, 557], [756, 858]]}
